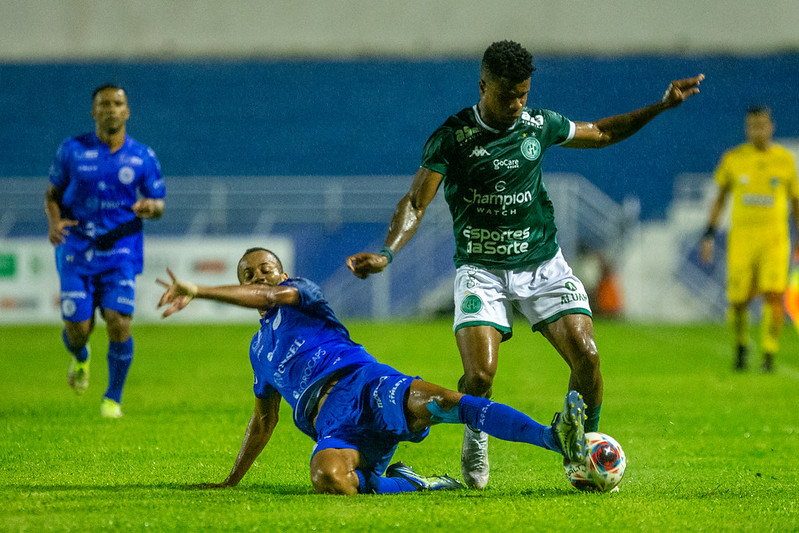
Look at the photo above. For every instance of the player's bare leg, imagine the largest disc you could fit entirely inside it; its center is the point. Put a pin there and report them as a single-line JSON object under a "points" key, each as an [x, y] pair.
{"points": [[333, 471], [573, 338], [479, 349], [76, 338]]}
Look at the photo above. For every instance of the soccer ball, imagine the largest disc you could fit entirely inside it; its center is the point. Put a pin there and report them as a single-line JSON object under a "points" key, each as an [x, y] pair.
{"points": [[603, 469]]}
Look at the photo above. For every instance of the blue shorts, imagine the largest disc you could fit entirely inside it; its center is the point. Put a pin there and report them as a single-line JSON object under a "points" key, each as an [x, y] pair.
{"points": [[81, 294], [365, 411]]}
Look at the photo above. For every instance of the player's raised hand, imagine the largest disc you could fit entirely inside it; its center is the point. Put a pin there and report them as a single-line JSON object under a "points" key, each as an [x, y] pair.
{"points": [[680, 90], [365, 263], [178, 294], [58, 231]]}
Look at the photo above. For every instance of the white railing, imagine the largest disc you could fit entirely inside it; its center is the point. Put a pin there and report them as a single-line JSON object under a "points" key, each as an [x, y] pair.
{"points": [[208, 206]]}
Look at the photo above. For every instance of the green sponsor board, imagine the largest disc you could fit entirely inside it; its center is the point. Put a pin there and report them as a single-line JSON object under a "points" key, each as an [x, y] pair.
{"points": [[8, 265]]}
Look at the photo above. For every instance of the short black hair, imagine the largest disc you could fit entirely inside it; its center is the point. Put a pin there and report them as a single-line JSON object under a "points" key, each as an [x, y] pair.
{"points": [[107, 86], [758, 109], [248, 251], [508, 60]]}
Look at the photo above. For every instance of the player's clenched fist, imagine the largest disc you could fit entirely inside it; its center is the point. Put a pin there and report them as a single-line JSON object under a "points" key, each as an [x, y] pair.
{"points": [[364, 263]]}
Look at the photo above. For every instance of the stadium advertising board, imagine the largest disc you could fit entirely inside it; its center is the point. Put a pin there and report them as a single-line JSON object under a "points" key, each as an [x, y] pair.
{"points": [[29, 286]]}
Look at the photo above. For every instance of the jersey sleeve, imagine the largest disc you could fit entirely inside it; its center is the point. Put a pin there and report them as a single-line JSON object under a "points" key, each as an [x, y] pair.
{"points": [[310, 293], [152, 185], [559, 129], [59, 168], [437, 152]]}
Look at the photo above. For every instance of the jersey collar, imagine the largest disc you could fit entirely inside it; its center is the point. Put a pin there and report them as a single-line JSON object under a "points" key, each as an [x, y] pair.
{"points": [[483, 124]]}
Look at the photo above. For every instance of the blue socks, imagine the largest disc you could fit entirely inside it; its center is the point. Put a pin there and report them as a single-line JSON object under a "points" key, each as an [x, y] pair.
{"points": [[375, 484], [504, 422], [120, 355], [81, 354]]}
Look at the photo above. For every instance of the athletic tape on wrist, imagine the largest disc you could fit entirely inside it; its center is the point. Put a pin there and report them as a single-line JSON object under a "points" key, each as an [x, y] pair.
{"points": [[388, 253]]}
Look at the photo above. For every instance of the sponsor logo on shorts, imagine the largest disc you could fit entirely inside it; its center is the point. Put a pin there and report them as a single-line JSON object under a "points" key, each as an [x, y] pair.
{"points": [[125, 301], [575, 297], [531, 148], [68, 307], [392, 394], [375, 393], [471, 304]]}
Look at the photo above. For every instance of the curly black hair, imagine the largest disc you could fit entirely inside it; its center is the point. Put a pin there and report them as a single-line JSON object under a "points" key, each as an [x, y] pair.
{"points": [[508, 60]]}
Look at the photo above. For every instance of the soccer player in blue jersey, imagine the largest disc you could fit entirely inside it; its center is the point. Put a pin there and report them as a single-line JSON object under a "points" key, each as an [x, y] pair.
{"points": [[356, 409], [102, 184], [488, 158]]}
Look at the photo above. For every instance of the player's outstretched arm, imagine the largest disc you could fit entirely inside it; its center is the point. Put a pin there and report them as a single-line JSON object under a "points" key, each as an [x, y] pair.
{"points": [[179, 294], [259, 431], [404, 223], [610, 130]]}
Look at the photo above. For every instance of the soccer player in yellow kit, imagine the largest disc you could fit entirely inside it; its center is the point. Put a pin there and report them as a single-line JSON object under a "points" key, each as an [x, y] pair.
{"points": [[761, 176]]}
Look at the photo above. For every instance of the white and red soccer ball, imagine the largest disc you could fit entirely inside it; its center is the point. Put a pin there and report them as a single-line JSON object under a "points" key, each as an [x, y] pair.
{"points": [[603, 468]]}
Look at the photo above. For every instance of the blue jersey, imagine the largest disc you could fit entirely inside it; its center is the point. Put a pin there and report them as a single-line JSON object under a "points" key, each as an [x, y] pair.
{"points": [[99, 190], [298, 347]]}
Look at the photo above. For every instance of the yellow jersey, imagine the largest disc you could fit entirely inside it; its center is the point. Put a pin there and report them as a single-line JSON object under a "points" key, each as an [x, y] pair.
{"points": [[761, 183]]}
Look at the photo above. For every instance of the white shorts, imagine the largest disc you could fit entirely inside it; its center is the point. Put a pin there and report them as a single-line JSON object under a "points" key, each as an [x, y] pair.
{"points": [[542, 294]]}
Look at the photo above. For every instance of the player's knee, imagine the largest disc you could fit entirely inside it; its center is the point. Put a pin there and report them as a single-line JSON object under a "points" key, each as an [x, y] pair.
{"points": [[333, 478], [476, 383], [118, 326], [77, 333], [587, 362]]}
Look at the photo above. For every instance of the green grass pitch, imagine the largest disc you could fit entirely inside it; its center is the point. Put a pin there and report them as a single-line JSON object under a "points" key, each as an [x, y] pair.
{"points": [[708, 449]]}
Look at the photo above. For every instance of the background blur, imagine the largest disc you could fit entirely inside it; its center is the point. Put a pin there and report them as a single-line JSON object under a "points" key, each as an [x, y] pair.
{"points": [[298, 125]]}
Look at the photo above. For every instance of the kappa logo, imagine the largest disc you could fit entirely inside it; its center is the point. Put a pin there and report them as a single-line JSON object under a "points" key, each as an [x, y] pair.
{"points": [[479, 151]]}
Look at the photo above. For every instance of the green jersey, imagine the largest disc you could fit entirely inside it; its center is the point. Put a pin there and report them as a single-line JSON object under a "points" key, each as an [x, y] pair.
{"points": [[502, 215]]}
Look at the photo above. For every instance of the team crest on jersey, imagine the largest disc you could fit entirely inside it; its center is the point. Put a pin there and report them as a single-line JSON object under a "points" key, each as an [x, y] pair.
{"points": [[531, 148], [126, 175]]}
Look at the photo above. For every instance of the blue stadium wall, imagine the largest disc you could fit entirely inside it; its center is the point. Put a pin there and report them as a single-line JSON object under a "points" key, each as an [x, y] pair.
{"points": [[371, 117]]}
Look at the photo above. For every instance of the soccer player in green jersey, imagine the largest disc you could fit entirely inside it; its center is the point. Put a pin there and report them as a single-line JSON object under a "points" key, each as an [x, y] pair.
{"points": [[488, 157]]}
